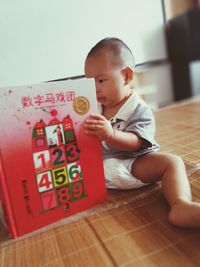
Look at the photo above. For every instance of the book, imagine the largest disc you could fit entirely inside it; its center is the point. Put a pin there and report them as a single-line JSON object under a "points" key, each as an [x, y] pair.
{"points": [[49, 168]]}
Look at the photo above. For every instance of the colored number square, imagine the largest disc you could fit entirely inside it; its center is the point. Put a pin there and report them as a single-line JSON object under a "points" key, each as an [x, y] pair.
{"points": [[55, 135], [60, 177], [70, 136], [40, 142], [42, 161], [58, 156], [49, 200], [77, 191], [74, 171], [44, 181], [72, 152], [63, 196]]}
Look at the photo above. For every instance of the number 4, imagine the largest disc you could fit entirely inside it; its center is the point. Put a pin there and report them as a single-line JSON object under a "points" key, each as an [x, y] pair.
{"points": [[44, 181]]}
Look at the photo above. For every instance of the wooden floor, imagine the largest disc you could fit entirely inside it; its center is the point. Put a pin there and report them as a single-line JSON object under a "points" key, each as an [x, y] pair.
{"points": [[131, 228]]}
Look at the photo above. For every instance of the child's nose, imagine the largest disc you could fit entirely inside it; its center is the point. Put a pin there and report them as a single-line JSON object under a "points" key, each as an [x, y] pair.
{"points": [[97, 87]]}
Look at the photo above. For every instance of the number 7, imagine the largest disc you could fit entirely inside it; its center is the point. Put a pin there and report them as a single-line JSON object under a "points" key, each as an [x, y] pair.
{"points": [[49, 200]]}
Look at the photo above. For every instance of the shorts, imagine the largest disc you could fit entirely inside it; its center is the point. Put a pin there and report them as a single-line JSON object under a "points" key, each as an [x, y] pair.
{"points": [[118, 174]]}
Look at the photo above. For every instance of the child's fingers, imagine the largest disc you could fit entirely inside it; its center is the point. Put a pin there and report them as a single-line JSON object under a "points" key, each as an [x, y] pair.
{"points": [[89, 132], [93, 126], [92, 130], [97, 116], [95, 122]]}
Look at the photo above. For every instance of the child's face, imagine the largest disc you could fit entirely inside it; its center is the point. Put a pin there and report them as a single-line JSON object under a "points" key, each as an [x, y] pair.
{"points": [[109, 80]]}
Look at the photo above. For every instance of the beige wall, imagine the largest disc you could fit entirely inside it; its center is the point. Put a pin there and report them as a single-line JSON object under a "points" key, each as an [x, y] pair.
{"points": [[176, 7]]}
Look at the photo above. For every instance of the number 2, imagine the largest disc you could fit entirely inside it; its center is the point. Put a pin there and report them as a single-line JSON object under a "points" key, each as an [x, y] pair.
{"points": [[57, 156]]}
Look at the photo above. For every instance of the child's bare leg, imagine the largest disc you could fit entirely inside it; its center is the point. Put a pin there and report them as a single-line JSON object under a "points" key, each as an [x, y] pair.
{"points": [[170, 170]]}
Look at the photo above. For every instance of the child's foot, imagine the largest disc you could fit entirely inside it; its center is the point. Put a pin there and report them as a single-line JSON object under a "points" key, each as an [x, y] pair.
{"points": [[185, 214]]}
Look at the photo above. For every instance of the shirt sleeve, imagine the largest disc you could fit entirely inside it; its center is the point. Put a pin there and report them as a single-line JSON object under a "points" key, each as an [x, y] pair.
{"points": [[142, 123]]}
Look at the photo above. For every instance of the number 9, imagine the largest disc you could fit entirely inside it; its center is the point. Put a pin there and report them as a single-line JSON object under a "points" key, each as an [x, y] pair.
{"points": [[77, 190]]}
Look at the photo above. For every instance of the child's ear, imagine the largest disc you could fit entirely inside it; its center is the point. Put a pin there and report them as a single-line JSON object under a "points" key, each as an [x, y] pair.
{"points": [[128, 74]]}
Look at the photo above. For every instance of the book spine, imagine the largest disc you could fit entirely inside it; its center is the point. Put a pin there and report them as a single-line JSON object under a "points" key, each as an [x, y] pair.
{"points": [[5, 201]]}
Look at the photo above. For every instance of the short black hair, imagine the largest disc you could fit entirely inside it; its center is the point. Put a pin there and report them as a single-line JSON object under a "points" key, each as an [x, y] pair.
{"points": [[115, 46]]}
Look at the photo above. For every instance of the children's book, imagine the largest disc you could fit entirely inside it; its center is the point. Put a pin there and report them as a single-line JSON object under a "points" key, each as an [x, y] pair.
{"points": [[49, 167]]}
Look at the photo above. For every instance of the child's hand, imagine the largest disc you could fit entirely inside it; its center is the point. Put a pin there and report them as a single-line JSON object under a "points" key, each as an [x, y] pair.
{"points": [[98, 125]]}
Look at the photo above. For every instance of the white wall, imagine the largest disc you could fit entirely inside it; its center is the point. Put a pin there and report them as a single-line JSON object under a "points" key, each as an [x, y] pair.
{"points": [[156, 85], [49, 39], [195, 77]]}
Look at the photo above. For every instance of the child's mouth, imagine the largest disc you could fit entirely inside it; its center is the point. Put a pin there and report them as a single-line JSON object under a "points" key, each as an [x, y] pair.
{"points": [[101, 99]]}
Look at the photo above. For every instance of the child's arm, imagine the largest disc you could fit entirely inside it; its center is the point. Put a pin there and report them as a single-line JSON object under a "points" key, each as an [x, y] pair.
{"points": [[99, 126]]}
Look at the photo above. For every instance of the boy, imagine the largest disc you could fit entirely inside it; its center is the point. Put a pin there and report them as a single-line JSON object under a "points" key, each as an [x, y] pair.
{"points": [[126, 129]]}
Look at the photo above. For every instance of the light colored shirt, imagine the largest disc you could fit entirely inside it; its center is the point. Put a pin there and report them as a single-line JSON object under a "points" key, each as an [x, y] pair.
{"points": [[137, 117]]}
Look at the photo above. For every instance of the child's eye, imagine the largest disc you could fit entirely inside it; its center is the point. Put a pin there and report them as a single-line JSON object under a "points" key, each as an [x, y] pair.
{"points": [[102, 80]]}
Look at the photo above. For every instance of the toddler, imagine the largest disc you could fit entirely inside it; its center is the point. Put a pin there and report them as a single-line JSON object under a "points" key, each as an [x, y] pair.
{"points": [[126, 128]]}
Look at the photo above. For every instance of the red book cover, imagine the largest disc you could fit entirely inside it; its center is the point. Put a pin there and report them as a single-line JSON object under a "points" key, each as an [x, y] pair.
{"points": [[49, 168]]}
